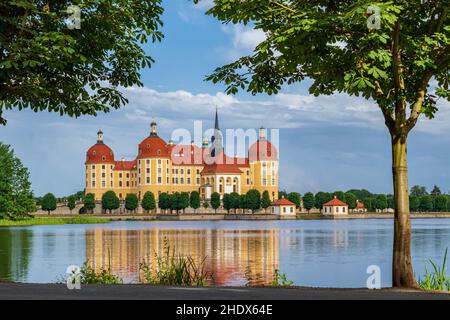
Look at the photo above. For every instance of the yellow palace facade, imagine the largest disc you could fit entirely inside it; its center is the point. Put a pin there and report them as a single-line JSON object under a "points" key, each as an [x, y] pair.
{"points": [[167, 167]]}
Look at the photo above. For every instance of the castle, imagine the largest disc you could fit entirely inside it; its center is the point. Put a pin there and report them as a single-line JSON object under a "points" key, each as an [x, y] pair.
{"points": [[168, 167]]}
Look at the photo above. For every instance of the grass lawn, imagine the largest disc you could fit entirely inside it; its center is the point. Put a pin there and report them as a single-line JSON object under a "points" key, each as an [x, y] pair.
{"points": [[50, 221]]}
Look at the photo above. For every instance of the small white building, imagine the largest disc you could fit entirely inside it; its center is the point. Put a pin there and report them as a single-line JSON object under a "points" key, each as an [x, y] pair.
{"points": [[283, 207], [335, 207]]}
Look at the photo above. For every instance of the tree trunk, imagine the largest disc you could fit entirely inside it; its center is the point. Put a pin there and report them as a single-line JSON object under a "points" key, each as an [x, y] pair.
{"points": [[402, 272]]}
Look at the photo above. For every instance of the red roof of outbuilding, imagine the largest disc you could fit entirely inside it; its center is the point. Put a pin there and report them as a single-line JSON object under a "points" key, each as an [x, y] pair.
{"points": [[99, 153], [335, 202], [283, 202], [360, 205]]}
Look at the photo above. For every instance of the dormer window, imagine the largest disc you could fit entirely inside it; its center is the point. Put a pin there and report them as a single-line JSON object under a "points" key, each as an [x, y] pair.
{"points": [[158, 152], [103, 158], [94, 152]]}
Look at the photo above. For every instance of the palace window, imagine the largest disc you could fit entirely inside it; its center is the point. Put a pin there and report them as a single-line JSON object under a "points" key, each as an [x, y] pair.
{"points": [[103, 158], [182, 180], [103, 167], [120, 175], [148, 170], [93, 167], [103, 184], [120, 184], [188, 171], [93, 175], [198, 180], [159, 180], [93, 184], [103, 175], [148, 161], [128, 183], [188, 180], [182, 171], [148, 180]]}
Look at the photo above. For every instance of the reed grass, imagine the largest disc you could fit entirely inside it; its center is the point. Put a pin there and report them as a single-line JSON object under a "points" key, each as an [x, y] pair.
{"points": [[51, 221], [174, 269], [436, 279]]}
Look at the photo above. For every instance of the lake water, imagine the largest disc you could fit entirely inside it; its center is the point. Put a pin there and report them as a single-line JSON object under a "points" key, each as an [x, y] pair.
{"points": [[321, 253]]}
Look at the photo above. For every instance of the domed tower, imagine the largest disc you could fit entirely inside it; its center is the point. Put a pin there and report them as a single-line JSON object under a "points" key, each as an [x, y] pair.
{"points": [[263, 159], [153, 163], [99, 168]]}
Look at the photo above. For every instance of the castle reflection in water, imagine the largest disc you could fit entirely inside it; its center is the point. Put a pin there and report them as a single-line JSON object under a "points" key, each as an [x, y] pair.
{"points": [[234, 257]]}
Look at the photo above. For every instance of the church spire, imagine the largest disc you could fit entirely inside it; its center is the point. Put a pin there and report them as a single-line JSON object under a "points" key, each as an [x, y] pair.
{"points": [[216, 123], [216, 139]]}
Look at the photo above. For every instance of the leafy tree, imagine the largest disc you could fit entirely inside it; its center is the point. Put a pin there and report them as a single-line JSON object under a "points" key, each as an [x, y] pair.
{"points": [[227, 202], [440, 203], [414, 203], [360, 194], [79, 195], [183, 200], [194, 200], [308, 201], [426, 203], [215, 201], [282, 194], [49, 202], [164, 201], [89, 202], [148, 201], [16, 196], [380, 202], [350, 200], [49, 65], [110, 201], [370, 204], [321, 198], [131, 202], [418, 191], [174, 201], [389, 57], [436, 191], [235, 201], [71, 202], [390, 201], [253, 198], [295, 198], [339, 194], [243, 202], [205, 205], [265, 200]]}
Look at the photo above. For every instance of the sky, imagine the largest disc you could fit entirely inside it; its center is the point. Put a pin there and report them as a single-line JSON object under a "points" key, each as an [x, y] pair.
{"points": [[326, 143]]}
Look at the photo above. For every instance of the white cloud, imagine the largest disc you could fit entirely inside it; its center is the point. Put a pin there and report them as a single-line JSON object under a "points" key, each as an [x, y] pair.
{"points": [[244, 39]]}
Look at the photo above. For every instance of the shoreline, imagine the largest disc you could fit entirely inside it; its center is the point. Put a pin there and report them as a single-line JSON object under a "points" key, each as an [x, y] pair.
{"points": [[26, 291], [64, 219]]}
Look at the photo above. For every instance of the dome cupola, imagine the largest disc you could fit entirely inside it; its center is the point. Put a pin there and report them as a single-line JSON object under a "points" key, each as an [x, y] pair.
{"points": [[99, 152]]}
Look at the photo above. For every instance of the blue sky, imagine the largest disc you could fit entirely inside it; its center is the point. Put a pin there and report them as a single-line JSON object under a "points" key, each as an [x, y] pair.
{"points": [[326, 143]]}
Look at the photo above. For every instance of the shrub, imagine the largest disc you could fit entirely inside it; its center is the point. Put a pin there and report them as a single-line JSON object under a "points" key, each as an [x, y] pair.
{"points": [[174, 269]]}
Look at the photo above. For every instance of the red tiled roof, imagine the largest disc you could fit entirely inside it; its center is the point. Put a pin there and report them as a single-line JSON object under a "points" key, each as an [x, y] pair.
{"points": [[99, 153], [283, 202], [125, 165], [262, 150], [182, 154], [221, 168], [153, 147], [335, 202]]}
